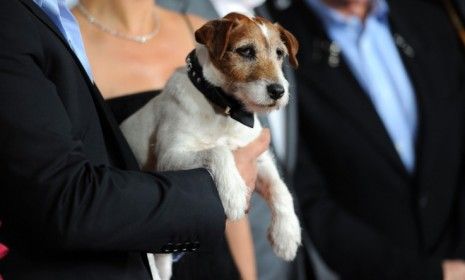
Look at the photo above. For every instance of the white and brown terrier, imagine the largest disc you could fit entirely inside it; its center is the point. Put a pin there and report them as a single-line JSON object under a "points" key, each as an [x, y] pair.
{"points": [[207, 110]]}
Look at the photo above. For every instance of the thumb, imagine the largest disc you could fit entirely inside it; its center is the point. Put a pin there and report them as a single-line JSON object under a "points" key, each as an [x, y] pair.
{"points": [[260, 144]]}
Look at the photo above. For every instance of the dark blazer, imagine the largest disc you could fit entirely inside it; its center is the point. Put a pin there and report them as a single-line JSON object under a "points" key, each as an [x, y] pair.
{"points": [[368, 217], [460, 6], [72, 201]]}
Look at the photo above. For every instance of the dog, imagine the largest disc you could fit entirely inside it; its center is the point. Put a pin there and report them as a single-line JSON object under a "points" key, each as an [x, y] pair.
{"points": [[208, 109]]}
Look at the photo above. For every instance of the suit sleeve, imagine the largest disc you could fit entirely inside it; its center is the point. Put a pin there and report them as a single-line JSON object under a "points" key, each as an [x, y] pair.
{"points": [[349, 246], [52, 195]]}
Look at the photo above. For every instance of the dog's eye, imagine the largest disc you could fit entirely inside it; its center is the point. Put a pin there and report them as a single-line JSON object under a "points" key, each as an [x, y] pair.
{"points": [[247, 52], [279, 53]]}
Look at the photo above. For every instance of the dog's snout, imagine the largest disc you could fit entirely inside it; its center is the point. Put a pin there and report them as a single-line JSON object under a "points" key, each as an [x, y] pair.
{"points": [[275, 91]]}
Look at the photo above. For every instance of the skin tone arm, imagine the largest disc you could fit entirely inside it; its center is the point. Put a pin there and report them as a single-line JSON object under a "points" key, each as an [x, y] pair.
{"points": [[240, 242]]}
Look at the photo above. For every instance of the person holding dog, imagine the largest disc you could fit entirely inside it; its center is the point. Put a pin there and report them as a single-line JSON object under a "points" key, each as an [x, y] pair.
{"points": [[73, 202], [380, 168]]}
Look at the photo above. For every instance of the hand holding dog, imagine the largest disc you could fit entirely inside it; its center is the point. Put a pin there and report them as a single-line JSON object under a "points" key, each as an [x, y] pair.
{"points": [[453, 269], [246, 158]]}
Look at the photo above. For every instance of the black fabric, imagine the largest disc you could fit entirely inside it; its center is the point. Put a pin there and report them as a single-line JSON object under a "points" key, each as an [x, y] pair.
{"points": [[229, 105], [213, 265], [126, 105], [367, 216], [460, 5], [73, 203]]}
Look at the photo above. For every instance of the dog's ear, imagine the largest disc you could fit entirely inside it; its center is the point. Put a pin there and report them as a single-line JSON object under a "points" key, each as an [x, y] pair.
{"points": [[291, 43], [215, 36]]}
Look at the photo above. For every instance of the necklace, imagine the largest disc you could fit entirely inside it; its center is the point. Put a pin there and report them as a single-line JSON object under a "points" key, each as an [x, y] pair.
{"points": [[142, 39]]}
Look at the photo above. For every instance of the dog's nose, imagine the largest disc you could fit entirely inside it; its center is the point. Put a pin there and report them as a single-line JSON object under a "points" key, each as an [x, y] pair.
{"points": [[275, 91]]}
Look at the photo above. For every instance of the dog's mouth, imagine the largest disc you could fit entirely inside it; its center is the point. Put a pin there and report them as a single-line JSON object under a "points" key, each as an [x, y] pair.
{"points": [[260, 107], [270, 105]]}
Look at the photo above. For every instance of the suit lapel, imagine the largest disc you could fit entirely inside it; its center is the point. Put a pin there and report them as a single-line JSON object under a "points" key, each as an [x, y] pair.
{"points": [[113, 136], [426, 146], [346, 95], [352, 102], [350, 99], [112, 133], [37, 11], [438, 138]]}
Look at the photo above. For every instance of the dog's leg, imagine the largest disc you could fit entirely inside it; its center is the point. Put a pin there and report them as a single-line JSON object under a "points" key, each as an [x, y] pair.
{"points": [[164, 263], [284, 232], [220, 162]]}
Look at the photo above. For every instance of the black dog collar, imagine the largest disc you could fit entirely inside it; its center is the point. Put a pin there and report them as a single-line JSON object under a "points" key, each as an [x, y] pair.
{"points": [[216, 95]]}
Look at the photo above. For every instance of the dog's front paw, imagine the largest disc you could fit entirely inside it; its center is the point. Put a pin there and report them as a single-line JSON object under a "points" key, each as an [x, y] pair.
{"points": [[285, 236]]}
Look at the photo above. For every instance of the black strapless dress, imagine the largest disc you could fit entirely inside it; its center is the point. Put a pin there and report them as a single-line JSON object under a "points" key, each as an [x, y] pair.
{"points": [[124, 106], [215, 265]]}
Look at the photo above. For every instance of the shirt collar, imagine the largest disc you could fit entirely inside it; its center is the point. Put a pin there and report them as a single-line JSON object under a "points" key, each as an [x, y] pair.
{"points": [[379, 10], [40, 3]]}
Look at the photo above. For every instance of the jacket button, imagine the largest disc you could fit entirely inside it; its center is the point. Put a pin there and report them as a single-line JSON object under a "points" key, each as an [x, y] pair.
{"points": [[168, 248], [193, 247]]}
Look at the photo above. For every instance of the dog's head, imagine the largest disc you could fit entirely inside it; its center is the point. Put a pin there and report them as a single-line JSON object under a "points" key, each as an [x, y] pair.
{"points": [[249, 53]]}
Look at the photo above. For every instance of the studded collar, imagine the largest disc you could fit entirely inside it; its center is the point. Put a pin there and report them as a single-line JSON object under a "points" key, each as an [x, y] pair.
{"points": [[231, 106]]}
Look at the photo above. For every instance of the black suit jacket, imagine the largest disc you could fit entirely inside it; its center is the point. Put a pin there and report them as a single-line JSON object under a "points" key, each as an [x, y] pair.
{"points": [[460, 6], [72, 201], [368, 217]]}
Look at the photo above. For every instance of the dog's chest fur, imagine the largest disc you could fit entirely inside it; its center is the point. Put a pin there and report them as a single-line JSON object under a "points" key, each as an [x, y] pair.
{"points": [[182, 118]]}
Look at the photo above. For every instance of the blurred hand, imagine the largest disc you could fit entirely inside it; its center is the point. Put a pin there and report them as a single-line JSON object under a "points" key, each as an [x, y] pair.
{"points": [[246, 158], [453, 269], [3, 248], [3, 252]]}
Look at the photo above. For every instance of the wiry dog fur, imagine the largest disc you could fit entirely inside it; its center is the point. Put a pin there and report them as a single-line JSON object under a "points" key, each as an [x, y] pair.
{"points": [[181, 129]]}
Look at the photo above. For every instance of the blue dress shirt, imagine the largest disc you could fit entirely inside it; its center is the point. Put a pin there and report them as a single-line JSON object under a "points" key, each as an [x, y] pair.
{"points": [[59, 13], [372, 55]]}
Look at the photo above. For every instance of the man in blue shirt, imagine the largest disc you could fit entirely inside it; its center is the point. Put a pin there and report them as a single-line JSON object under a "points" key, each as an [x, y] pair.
{"points": [[381, 106], [73, 202]]}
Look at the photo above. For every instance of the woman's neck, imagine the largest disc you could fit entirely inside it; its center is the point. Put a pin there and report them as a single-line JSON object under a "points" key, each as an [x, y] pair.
{"points": [[131, 17], [358, 8]]}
